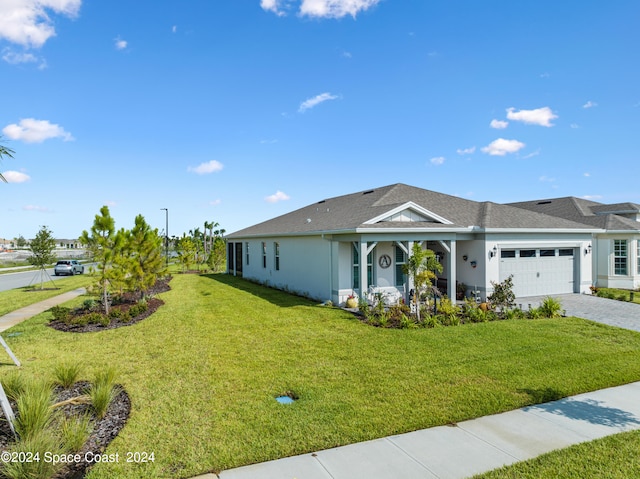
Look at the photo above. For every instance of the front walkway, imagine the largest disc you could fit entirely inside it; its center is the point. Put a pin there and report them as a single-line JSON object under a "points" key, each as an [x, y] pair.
{"points": [[19, 315], [602, 310]]}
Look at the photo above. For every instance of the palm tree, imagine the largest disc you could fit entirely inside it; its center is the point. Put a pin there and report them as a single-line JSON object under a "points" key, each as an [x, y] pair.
{"points": [[8, 152]]}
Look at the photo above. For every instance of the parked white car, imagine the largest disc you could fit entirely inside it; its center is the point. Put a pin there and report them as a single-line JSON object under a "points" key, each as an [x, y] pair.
{"points": [[68, 266]]}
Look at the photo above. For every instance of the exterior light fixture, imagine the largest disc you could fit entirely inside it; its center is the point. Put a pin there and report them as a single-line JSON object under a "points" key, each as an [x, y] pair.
{"points": [[493, 252], [587, 249]]}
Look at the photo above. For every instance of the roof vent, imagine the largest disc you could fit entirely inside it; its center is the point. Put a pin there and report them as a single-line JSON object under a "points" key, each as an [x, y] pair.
{"points": [[320, 202], [543, 203], [367, 192]]}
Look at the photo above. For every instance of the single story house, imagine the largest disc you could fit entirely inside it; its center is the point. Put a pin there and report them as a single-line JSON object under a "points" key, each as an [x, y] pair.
{"points": [[358, 243], [616, 247]]}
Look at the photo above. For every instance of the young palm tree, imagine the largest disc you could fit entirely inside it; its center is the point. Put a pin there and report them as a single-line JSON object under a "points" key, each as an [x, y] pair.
{"points": [[8, 152]]}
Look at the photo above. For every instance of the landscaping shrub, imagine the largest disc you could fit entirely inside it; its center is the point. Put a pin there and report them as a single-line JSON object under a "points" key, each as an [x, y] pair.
{"points": [[119, 314], [503, 296], [138, 309], [96, 318], [60, 313], [550, 308]]}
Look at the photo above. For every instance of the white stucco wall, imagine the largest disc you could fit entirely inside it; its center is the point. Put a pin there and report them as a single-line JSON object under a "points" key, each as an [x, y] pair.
{"points": [[305, 265]]}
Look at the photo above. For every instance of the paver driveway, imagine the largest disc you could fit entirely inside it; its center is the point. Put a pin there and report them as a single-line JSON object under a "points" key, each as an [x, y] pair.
{"points": [[608, 311]]}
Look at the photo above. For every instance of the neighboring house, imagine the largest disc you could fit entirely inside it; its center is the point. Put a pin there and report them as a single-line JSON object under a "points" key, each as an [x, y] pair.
{"points": [[616, 248], [358, 243]]}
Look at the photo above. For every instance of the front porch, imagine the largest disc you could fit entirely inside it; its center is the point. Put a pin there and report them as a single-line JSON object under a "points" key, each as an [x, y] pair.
{"points": [[373, 270]]}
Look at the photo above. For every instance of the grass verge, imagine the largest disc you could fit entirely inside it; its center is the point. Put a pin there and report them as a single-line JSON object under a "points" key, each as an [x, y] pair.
{"points": [[612, 457], [203, 372]]}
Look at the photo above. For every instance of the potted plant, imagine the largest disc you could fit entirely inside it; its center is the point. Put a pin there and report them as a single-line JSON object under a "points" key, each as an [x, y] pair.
{"points": [[461, 290], [352, 301]]}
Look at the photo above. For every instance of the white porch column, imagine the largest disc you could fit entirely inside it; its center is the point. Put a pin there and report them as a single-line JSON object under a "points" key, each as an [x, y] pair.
{"points": [[362, 257], [451, 264]]}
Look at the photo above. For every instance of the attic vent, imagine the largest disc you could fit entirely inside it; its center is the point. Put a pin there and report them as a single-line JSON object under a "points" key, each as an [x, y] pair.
{"points": [[543, 203], [367, 192], [320, 202]]}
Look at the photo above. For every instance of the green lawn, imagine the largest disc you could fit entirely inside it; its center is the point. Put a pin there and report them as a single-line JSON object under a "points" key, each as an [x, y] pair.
{"points": [[203, 371], [21, 297], [613, 457]]}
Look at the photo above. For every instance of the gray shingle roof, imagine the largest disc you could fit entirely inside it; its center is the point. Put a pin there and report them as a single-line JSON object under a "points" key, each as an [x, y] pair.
{"points": [[584, 211], [350, 212]]}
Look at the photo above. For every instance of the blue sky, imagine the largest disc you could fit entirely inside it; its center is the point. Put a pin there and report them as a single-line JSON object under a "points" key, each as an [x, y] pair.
{"points": [[239, 111]]}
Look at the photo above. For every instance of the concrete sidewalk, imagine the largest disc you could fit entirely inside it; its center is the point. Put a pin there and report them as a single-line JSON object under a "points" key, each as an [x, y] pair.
{"points": [[19, 315], [468, 448]]}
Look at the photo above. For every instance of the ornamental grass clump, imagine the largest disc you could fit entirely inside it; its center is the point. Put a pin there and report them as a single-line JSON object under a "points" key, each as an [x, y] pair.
{"points": [[30, 448], [66, 374], [35, 413], [74, 432], [103, 391]]}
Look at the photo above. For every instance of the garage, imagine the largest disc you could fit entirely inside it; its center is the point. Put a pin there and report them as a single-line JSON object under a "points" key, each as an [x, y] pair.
{"points": [[539, 271]]}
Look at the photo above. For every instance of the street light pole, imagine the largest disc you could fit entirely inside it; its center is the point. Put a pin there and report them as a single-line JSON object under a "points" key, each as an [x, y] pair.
{"points": [[166, 236]]}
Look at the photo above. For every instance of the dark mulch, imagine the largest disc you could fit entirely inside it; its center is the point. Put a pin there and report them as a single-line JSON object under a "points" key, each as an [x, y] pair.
{"points": [[125, 303], [104, 430]]}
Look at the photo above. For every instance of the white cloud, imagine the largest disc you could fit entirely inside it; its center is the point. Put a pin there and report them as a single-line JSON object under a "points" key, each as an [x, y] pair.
{"points": [[532, 154], [438, 160], [277, 196], [319, 8], [574, 126], [547, 179], [15, 177], [273, 6], [39, 209], [31, 130], [592, 197], [335, 8], [14, 58], [215, 202], [120, 43], [212, 166], [501, 147], [589, 104], [174, 29], [466, 151], [540, 116], [499, 124], [27, 22], [316, 100], [587, 174]]}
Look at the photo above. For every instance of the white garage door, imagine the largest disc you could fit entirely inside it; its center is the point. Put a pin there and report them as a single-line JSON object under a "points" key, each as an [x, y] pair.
{"points": [[539, 271]]}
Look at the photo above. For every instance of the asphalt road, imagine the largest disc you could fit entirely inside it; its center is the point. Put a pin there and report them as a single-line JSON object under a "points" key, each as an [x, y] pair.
{"points": [[20, 279]]}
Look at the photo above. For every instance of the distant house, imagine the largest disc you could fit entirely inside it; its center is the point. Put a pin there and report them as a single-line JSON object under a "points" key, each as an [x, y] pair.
{"points": [[616, 248], [358, 243]]}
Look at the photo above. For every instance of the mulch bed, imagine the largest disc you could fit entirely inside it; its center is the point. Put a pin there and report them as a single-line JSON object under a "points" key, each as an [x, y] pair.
{"points": [[125, 303], [104, 430]]}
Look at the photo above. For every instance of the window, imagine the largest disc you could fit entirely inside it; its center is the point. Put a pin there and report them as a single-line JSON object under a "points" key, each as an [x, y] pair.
{"points": [[401, 258], [246, 248], [356, 267], [508, 253], [547, 252], [264, 254], [276, 254], [620, 257], [565, 252], [527, 253]]}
